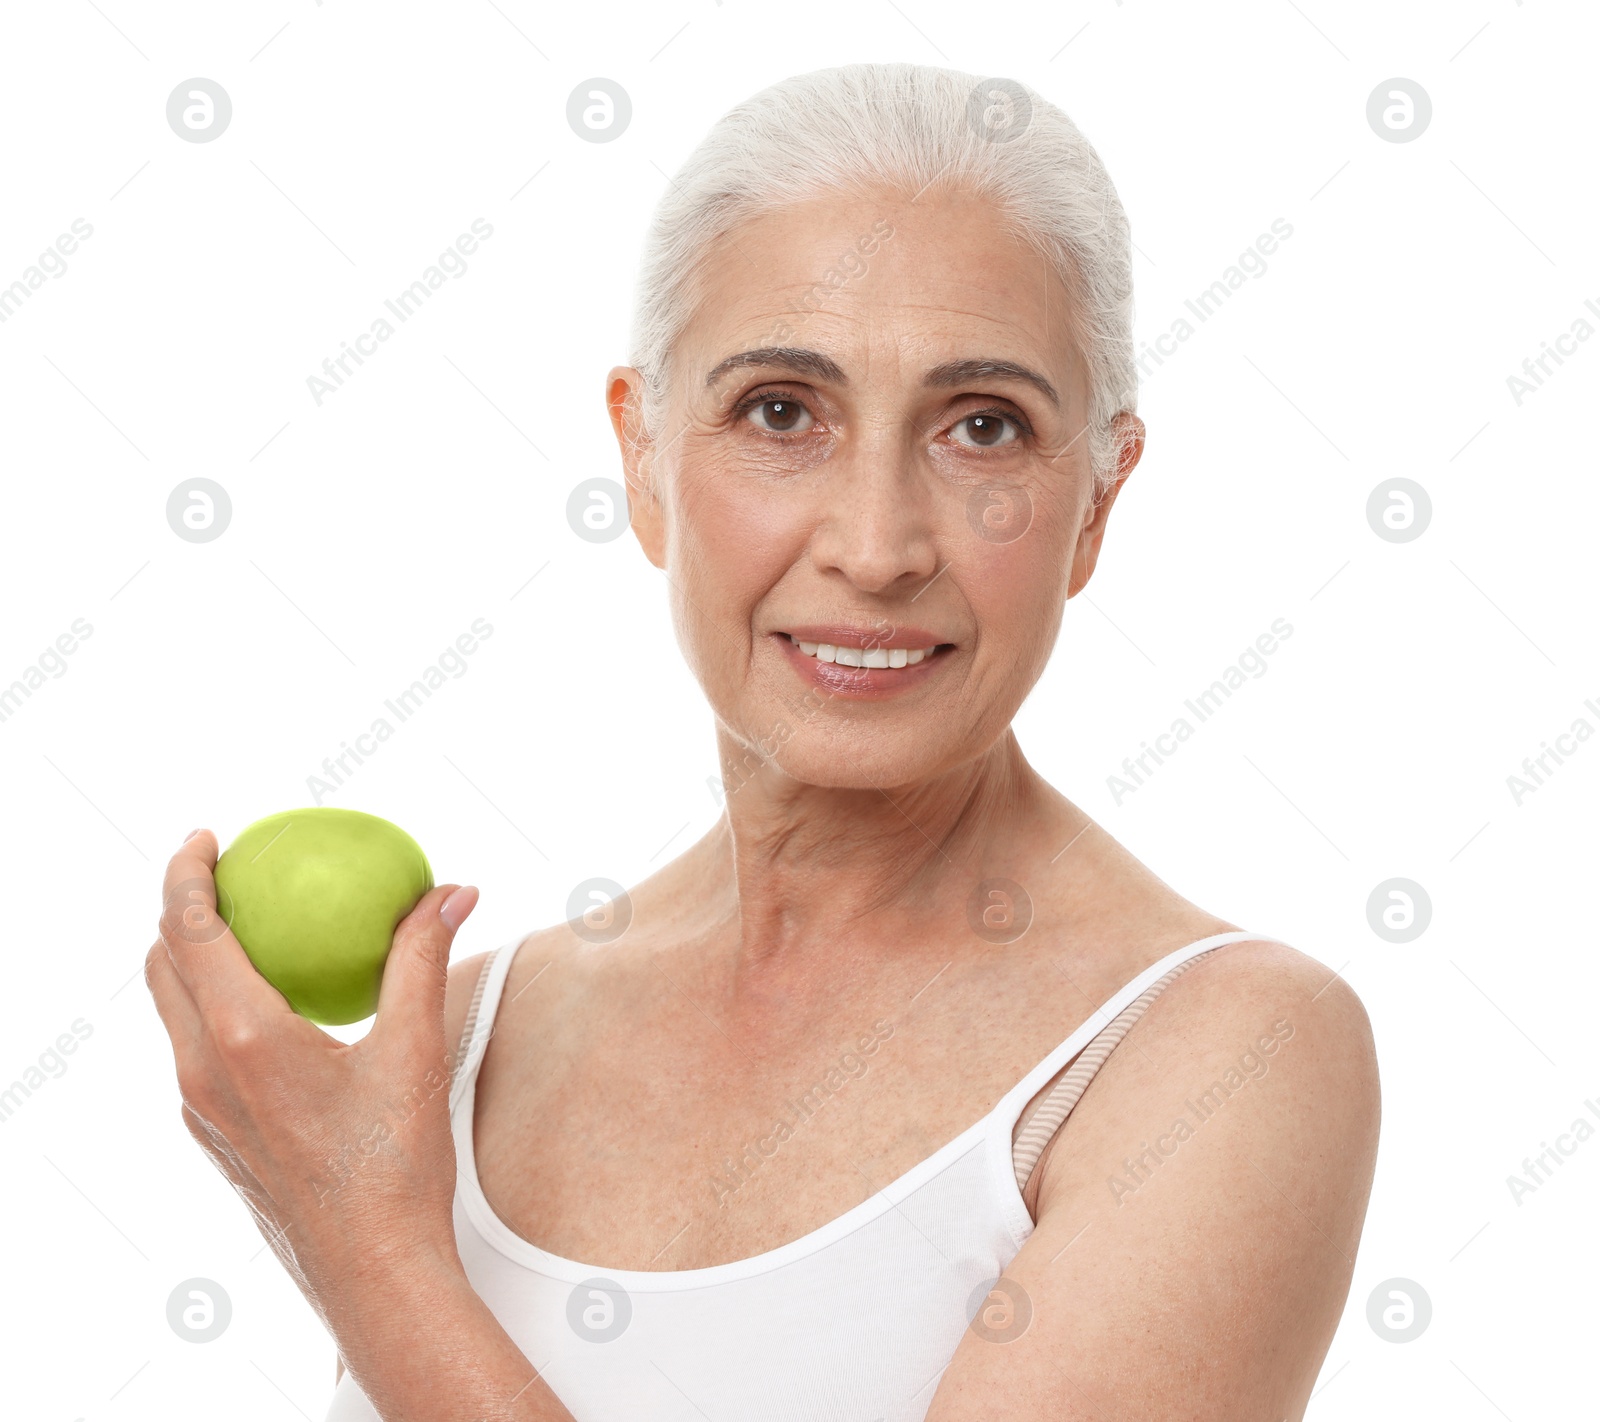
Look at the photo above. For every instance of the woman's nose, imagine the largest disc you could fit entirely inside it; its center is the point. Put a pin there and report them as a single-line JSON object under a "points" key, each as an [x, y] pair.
{"points": [[876, 523]]}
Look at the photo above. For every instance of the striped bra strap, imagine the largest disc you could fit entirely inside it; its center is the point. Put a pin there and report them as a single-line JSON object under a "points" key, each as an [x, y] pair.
{"points": [[1071, 1084], [465, 1044]]}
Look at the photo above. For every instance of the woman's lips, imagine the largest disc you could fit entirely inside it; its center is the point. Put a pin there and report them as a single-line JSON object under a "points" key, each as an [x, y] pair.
{"points": [[863, 683]]}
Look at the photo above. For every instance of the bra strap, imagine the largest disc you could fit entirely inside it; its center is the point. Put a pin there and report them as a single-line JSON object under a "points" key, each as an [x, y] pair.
{"points": [[479, 1024], [1073, 1082], [467, 1027]]}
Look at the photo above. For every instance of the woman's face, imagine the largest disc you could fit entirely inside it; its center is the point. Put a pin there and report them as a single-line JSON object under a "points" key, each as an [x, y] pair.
{"points": [[875, 437]]}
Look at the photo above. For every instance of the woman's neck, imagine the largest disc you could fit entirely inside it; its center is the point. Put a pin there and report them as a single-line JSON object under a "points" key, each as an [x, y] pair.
{"points": [[795, 875]]}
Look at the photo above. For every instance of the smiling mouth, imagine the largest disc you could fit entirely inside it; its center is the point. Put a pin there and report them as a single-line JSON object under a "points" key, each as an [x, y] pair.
{"points": [[870, 658]]}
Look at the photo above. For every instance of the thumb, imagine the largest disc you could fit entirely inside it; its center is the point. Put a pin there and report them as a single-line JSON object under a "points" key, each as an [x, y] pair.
{"points": [[411, 998]]}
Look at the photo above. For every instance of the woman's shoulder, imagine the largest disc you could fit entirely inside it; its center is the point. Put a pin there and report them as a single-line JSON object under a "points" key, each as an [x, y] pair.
{"points": [[1253, 1011], [1242, 980], [531, 956], [1269, 968], [1235, 995]]}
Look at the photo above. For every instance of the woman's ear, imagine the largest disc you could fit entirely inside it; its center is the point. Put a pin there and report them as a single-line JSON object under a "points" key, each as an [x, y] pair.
{"points": [[624, 402], [1128, 433]]}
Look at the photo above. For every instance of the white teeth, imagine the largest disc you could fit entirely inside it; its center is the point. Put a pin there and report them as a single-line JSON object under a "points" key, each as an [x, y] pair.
{"points": [[870, 657]]}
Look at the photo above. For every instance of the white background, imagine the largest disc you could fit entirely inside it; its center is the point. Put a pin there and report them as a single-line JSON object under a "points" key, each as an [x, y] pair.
{"points": [[369, 532]]}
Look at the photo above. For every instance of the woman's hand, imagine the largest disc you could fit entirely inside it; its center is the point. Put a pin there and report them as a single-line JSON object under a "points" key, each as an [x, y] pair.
{"points": [[343, 1153]]}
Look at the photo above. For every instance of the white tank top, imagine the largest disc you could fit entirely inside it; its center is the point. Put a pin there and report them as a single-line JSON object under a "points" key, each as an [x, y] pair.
{"points": [[854, 1322]]}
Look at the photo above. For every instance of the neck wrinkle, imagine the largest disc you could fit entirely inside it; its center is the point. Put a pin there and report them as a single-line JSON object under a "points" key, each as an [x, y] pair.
{"points": [[807, 869]]}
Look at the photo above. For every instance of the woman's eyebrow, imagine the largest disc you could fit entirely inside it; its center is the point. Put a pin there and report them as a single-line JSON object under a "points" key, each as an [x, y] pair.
{"points": [[951, 373], [963, 372], [795, 358]]}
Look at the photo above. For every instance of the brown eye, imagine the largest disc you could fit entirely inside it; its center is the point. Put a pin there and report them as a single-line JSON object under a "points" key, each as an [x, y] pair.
{"points": [[986, 431], [780, 416]]}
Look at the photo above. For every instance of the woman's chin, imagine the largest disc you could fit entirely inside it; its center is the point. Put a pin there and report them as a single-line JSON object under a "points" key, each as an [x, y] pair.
{"points": [[860, 762]]}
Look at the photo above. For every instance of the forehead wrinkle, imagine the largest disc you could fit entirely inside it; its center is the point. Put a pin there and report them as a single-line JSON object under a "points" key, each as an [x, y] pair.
{"points": [[1009, 327], [944, 309]]}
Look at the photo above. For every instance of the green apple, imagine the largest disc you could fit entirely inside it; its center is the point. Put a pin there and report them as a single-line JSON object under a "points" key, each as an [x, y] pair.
{"points": [[314, 897]]}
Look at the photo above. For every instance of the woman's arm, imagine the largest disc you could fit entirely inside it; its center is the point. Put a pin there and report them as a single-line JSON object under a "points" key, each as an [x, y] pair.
{"points": [[1199, 1216], [343, 1153], [465, 1365], [425, 1348]]}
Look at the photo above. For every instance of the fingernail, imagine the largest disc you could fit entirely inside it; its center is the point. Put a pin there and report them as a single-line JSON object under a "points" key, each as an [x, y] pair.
{"points": [[190, 835], [454, 910]]}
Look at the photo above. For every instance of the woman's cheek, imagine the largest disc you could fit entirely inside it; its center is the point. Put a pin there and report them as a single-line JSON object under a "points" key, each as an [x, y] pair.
{"points": [[749, 522], [1005, 576]]}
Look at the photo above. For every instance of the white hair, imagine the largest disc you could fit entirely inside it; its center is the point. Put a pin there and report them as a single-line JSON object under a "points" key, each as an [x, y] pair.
{"points": [[863, 127]]}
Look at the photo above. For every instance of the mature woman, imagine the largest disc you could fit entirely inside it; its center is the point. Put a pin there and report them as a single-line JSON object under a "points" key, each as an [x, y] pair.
{"points": [[796, 1145]]}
